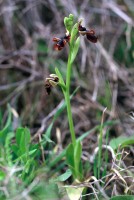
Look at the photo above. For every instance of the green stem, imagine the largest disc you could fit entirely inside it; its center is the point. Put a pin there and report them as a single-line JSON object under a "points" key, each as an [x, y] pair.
{"points": [[67, 97], [70, 119]]}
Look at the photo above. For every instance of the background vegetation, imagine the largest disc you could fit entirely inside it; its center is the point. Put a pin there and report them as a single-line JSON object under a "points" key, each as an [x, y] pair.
{"points": [[105, 74]]}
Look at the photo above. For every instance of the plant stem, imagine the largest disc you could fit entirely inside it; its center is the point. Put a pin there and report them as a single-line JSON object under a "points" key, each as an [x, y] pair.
{"points": [[70, 119], [67, 97]]}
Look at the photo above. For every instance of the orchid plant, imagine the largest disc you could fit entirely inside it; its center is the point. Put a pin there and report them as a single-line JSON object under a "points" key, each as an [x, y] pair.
{"points": [[72, 38]]}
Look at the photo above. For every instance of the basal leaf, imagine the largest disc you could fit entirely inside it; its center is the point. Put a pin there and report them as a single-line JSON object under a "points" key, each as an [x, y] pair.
{"points": [[70, 155], [70, 158], [121, 141], [77, 159]]}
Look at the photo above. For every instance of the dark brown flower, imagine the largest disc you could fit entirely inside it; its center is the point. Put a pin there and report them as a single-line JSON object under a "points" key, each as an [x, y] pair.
{"points": [[90, 34], [50, 82], [61, 42]]}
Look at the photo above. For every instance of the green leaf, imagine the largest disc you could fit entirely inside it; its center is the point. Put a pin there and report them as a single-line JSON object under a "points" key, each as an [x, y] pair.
{"points": [[75, 49], [59, 75], [73, 159], [121, 141], [64, 176], [28, 165], [23, 139], [70, 158], [23, 156], [129, 141], [77, 159], [18, 135], [14, 148], [35, 147], [69, 154], [61, 81], [7, 126], [123, 197]]}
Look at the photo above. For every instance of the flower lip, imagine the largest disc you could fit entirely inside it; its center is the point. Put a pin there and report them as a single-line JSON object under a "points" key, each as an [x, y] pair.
{"points": [[48, 87], [81, 29], [61, 42], [91, 36]]}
